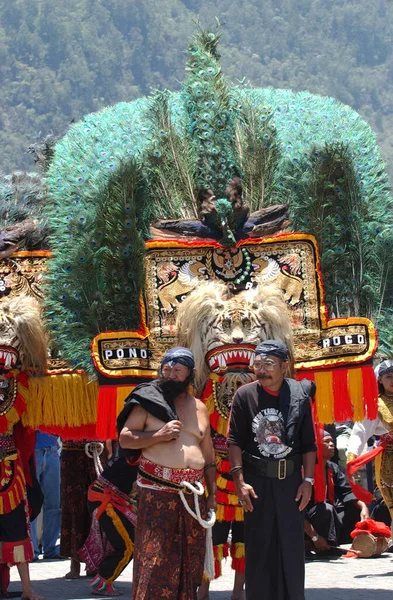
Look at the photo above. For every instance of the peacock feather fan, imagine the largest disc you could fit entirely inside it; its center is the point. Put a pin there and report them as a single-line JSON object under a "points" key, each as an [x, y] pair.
{"points": [[128, 166], [212, 114]]}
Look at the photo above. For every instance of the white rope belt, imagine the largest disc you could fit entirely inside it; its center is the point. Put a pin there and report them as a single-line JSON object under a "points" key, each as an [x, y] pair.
{"points": [[93, 450], [197, 489]]}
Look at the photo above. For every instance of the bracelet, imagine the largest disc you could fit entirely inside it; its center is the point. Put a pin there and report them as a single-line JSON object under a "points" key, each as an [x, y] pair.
{"points": [[236, 468], [209, 466]]}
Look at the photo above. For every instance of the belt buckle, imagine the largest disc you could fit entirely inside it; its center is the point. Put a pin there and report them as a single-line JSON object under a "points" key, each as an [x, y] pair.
{"points": [[282, 468]]}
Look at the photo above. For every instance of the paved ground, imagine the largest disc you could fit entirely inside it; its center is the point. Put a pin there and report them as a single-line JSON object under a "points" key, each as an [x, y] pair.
{"points": [[340, 579]]}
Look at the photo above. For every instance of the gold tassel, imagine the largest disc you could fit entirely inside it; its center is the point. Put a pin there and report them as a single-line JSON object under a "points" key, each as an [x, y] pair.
{"points": [[355, 384], [238, 550], [239, 514], [220, 513], [64, 400], [324, 396]]}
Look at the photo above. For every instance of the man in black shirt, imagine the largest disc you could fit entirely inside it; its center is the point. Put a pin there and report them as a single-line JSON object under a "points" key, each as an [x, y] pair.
{"points": [[272, 454]]}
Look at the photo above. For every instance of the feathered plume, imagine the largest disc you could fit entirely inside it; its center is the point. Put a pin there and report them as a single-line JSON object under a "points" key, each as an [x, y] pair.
{"points": [[97, 273]]}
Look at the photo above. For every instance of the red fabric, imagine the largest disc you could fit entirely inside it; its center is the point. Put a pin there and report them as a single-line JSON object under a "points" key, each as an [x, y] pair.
{"points": [[370, 392], [354, 465], [238, 564], [319, 475], [217, 561], [351, 554], [343, 409], [106, 413], [376, 528], [106, 497], [82, 432], [330, 486], [7, 551], [25, 444]]}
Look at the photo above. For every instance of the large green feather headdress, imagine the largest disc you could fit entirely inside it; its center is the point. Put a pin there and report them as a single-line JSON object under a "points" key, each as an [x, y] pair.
{"points": [[217, 158]]}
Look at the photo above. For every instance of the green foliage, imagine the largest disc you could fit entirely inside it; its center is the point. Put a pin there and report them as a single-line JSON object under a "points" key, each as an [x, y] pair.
{"points": [[62, 60]]}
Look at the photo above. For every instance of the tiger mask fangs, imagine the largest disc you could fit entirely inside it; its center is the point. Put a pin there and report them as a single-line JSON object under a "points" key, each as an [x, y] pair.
{"points": [[222, 329]]}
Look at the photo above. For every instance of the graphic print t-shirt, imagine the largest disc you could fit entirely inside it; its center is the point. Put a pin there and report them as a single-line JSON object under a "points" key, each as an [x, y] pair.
{"points": [[257, 424]]}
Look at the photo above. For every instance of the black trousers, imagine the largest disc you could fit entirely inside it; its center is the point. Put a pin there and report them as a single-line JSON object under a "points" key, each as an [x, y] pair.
{"points": [[121, 536], [334, 523], [221, 531], [274, 540]]}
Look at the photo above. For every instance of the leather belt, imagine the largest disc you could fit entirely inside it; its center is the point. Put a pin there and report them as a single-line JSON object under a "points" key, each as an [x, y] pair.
{"points": [[277, 469]]}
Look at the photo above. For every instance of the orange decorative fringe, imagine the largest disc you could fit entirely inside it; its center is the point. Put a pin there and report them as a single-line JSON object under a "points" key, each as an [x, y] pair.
{"points": [[220, 551], [64, 404], [223, 465], [225, 498], [237, 552], [355, 381], [229, 513], [344, 393], [12, 496], [324, 396], [226, 484], [238, 557], [219, 423]]}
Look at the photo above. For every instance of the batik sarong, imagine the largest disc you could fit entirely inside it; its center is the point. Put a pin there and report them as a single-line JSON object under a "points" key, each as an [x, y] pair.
{"points": [[77, 474], [169, 547]]}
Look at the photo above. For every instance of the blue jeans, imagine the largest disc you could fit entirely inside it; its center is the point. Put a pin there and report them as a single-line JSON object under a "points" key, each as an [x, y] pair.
{"points": [[48, 475]]}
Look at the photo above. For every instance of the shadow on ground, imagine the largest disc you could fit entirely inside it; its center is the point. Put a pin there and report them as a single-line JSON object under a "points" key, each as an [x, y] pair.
{"points": [[347, 594], [68, 589]]}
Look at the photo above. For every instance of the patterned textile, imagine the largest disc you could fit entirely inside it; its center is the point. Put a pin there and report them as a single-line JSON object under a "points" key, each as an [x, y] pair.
{"points": [[77, 474], [169, 548], [112, 530], [96, 547], [158, 477]]}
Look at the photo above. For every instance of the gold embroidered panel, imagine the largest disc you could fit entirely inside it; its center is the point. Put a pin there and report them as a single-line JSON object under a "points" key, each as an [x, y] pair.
{"points": [[290, 261]]}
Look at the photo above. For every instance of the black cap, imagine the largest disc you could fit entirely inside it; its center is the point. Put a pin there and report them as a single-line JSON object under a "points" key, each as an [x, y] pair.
{"points": [[272, 348]]}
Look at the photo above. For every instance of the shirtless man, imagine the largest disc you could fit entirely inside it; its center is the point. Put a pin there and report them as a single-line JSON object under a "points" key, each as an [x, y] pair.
{"points": [[171, 429]]}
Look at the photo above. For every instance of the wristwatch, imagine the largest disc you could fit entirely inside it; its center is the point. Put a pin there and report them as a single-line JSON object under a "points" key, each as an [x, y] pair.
{"points": [[309, 479], [315, 538]]}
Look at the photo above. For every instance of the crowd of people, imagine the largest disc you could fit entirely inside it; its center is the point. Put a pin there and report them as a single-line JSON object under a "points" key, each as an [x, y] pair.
{"points": [[152, 496]]}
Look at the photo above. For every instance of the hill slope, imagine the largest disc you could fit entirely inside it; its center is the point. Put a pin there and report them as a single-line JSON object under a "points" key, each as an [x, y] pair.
{"points": [[59, 62]]}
